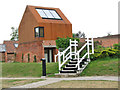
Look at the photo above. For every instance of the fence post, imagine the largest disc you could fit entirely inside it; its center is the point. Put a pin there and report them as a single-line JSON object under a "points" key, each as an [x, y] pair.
{"points": [[70, 49], [75, 48], [88, 48], [78, 62], [55, 58], [92, 46], [59, 60]]}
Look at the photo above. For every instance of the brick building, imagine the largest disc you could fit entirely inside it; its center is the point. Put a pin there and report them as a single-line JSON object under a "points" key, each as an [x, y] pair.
{"points": [[106, 41], [38, 30], [8, 51]]}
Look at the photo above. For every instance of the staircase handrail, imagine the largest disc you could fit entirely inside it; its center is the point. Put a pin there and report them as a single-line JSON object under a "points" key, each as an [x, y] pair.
{"points": [[82, 48], [67, 54], [65, 57], [88, 53], [81, 60], [62, 53]]}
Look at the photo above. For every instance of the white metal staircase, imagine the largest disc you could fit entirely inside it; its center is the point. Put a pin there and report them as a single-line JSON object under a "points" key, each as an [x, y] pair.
{"points": [[70, 60]]}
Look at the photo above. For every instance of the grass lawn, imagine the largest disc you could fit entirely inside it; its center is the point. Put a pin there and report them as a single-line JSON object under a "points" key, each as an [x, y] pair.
{"points": [[82, 84], [27, 69], [102, 67], [12, 83]]}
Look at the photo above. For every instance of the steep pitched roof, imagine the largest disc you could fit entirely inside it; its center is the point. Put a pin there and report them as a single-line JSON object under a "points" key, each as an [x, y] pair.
{"points": [[10, 46], [39, 19]]}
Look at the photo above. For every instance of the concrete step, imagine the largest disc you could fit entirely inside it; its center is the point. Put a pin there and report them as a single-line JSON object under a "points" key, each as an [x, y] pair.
{"points": [[71, 65], [71, 68], [68, 71], [72, 62]]}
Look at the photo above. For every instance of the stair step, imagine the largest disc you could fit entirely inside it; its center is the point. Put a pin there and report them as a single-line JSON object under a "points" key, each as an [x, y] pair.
{"points": [[68, 71], [72, 62], [69, 65], [69, 68], [66, 74]]}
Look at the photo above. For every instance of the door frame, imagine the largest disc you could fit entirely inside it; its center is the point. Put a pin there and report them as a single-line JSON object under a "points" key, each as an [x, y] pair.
{"points": [[48, 55]]}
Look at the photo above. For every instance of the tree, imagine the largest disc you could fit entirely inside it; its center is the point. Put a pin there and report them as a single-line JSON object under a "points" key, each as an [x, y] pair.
{"points": [[79, 35], [109, 33], [14, 34], [63, 43]]}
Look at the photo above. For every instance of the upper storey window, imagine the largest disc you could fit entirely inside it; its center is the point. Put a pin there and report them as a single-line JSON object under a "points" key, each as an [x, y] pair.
{"points": [[48, 14], [39, 32]]}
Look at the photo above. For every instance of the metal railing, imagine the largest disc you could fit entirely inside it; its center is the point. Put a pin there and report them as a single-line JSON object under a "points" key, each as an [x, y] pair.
{"points": [[67, 54], [89, 42]]}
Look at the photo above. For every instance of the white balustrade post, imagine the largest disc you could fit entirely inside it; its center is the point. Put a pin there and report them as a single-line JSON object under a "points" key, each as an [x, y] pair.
{"points": [[75, 48], [78, 62], [92, 46], [88, 48], [59, 61], [70, 49], [55, 58]]}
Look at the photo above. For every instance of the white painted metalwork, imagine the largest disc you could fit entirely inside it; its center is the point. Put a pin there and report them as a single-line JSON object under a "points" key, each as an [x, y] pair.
{"points": [[67, 54]]}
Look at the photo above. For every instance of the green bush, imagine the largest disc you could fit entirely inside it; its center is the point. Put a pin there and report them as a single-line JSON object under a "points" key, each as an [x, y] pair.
{"points": [[64, 42], [108, 52], [116, 46]]}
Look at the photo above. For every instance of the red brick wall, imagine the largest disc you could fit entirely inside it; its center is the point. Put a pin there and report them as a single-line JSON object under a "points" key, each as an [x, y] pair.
{"points": [[11, 57], [49, 42], [31, 48], [105, 41]]}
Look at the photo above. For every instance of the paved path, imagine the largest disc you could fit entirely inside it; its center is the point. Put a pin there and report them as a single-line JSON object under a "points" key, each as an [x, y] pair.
{"points": [[53, 80], [38, 84]]}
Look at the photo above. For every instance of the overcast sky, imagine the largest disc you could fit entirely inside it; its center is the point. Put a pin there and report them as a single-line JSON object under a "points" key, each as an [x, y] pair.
{"points": [[95, 18]]}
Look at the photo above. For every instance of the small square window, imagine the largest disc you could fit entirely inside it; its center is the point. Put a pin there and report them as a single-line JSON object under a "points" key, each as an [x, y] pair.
{"points": [[39, 32]]}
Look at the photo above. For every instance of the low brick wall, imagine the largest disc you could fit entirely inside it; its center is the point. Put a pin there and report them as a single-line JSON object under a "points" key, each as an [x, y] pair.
{"points": [[31, 48], [35, 48], [107, 41]]}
